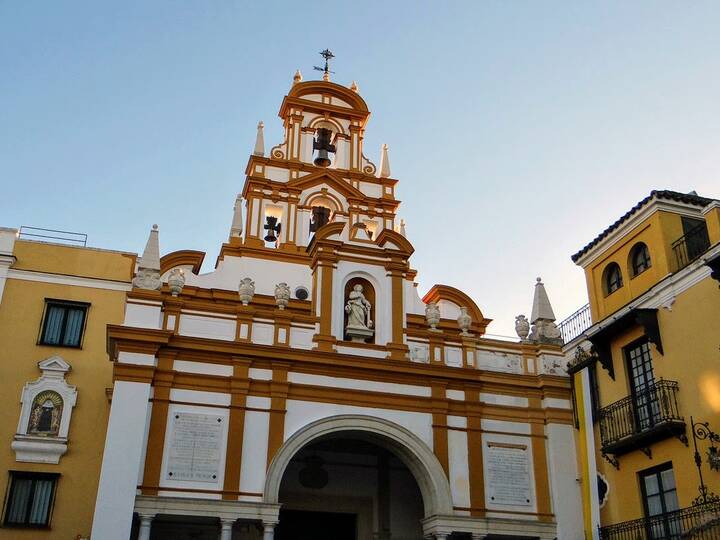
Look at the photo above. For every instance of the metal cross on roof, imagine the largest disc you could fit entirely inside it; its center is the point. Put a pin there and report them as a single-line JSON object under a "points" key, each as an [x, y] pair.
{"points": [[327, 55]]}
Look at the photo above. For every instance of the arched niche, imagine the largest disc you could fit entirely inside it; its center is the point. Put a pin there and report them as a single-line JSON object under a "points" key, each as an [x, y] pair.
{"points": [[45, 414], [368, 291]]}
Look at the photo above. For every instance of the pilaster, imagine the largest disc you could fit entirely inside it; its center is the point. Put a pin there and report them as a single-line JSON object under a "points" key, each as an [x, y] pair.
{"points": [[244, 317], [475, 453], [162, 383], [540, 464], [239, 387], [279, 388], [397, 347], [440, 434]]}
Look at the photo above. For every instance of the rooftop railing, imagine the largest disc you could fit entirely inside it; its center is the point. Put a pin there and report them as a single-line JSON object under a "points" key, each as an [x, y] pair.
{"points": [[52, 235], [575, 324]]}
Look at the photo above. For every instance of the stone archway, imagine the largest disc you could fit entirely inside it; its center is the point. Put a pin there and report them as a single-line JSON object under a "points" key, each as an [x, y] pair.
{"points": [[406, 446]]}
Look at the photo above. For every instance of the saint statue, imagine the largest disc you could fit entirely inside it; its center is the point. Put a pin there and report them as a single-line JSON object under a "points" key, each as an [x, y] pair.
{"points": [[358, 309], [360, 324]]}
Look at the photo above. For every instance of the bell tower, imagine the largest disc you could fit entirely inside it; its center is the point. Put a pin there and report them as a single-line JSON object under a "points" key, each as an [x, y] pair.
{"points": [[316, 200]]}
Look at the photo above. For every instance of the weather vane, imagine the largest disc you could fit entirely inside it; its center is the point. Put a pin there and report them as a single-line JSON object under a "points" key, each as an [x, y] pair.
{"points": [[327, 55]]}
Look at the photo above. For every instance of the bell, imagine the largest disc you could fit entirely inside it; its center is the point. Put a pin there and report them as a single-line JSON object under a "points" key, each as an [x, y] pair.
{"points": [[269, 237], [322, 159], [320, 217], [272, 227], [323, 146]]}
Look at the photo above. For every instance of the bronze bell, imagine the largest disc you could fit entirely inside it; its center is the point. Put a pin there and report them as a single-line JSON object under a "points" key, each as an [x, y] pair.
{"points": [[324, 147], [272, 227]]}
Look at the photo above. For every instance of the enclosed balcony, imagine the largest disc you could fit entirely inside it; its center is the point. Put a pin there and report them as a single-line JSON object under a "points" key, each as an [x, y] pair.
{"points": [[637, 421], [701, 522], [690, 246]]}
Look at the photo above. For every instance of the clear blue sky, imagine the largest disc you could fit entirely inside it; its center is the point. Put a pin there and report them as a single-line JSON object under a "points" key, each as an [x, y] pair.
{"points": [[518, 130]]}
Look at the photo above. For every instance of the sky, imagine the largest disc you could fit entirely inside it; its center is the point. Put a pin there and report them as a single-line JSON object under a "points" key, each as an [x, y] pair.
{"points": [[518, 129]]}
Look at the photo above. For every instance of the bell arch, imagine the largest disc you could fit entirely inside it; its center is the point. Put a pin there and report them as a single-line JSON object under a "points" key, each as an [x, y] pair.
{"points": [[406, 446]]}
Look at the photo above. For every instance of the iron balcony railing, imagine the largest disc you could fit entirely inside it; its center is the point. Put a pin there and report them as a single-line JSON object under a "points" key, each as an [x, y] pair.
{"points": [[635, 420], [575, 324], [701, 522], [690, 246]]}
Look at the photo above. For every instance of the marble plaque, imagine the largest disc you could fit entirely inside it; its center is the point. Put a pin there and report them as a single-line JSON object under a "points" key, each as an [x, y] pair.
{"points": [[194, 450], [508, 469]]}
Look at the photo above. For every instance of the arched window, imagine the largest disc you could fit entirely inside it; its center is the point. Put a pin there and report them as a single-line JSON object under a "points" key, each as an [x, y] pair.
{"points": [[639, 259], [612, 278]]}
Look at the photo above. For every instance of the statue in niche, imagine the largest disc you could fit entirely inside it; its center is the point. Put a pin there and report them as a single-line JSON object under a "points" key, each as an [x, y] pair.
{"points": [[359, 326], [45, 414]]}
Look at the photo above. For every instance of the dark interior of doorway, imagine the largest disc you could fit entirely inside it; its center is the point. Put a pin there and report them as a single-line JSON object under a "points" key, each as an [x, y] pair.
{"points": [[302, 525]]}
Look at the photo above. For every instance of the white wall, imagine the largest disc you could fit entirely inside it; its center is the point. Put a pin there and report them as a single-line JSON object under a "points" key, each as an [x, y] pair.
{"points": [[564, 484], [121, 461], [301, 413]]}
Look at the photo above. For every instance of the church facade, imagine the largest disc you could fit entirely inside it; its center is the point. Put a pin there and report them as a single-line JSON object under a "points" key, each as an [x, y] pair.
{"points": [[303, 388]]}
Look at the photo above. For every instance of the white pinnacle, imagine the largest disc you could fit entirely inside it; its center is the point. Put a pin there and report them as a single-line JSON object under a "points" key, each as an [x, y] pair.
{"points": [[384, 162], [236, 228], [260, 140], [151, 256], [541, 309]]}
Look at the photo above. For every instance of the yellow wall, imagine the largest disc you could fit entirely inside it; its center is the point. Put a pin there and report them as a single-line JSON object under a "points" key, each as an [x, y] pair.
{"points": [[21, 313], [692, 358], [658, 232]]}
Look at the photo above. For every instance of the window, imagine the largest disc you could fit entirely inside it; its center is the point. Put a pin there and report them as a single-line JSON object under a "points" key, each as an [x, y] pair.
{"points": [[30, 499], [639, 259], [612, 278], [64, 323], [659, 498], [642, 384]]}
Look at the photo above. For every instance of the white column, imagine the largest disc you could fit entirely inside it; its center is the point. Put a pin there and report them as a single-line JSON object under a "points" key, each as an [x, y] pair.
{"points": [[268, 531], [121, 461], [226, 526], [145, 526], [441, 536]]}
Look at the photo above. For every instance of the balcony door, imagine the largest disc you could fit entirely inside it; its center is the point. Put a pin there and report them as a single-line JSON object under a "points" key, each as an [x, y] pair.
{"points": [[646, 409], [660, 500]]}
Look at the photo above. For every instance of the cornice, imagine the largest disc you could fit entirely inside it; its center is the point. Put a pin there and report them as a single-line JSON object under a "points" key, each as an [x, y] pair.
{"points": [[224, 351]]}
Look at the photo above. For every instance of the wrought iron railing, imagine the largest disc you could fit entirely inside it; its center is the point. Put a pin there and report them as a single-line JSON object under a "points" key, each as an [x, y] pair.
{"points": [[52, 235], [690, 246], [575, 324], [701, 522], [642, 412]]}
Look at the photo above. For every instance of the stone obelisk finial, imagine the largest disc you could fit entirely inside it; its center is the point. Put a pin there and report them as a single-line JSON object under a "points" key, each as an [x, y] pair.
{"points": [[260, 140], [384, 162]]}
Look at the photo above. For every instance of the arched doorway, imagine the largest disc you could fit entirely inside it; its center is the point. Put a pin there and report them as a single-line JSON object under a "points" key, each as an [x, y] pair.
{"points": [[355, 478]]}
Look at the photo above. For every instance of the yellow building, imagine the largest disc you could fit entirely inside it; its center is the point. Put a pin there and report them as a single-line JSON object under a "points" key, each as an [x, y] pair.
{"points": [[55, 304], [645, 361]]}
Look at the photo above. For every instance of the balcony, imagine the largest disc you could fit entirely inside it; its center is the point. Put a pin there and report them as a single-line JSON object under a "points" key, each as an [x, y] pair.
{"points": [[637, 421], [690, 246], [701, 522], [575, 324]]}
